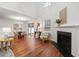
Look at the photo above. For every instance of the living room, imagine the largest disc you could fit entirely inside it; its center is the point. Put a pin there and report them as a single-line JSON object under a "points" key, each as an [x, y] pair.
{"points": [[31, 25]]}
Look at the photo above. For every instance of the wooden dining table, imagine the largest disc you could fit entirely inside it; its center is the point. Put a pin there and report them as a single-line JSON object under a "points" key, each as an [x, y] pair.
{"points": [[5, 41]]}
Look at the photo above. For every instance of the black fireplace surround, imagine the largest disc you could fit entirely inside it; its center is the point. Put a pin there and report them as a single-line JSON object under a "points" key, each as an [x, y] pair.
{"points": [[64, 43]]}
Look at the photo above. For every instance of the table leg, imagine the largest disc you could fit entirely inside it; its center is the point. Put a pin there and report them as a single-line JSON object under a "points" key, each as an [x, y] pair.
{"points": [[10, 43], [1, 45], [6, 45]]}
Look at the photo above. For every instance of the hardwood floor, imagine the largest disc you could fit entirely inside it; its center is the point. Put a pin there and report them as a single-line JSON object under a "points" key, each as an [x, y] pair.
{"points": [[30, 47]]}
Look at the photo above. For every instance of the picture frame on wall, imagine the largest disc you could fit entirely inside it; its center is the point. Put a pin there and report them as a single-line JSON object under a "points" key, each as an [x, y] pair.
{"points": [[63, 15]]}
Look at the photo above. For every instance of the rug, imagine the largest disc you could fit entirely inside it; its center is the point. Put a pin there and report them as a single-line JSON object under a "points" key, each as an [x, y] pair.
{"points": [[6, 53]]}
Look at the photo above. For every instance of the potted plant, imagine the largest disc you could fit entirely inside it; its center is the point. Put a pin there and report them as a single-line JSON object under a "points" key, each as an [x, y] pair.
{"points": [[58, 21]]}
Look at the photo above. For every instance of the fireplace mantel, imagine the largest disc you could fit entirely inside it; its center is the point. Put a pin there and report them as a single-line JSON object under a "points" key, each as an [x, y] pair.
{"points": [[68, 26], [72, 28]]}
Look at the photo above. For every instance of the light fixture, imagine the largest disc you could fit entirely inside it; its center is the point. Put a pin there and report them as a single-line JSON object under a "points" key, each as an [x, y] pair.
{"points": [[20, 18], [45, 4]]}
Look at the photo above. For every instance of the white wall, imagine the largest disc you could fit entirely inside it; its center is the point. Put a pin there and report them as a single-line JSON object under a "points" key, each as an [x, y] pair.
{"points": [[72, 11], [52, 13]]}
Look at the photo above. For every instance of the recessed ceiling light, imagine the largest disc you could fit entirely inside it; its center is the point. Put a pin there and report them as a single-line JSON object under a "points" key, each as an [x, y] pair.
{"points": [[20, 18]]}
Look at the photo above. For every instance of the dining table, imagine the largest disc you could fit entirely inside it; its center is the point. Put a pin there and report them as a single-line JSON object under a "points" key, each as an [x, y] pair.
{"points": [[4, 42]]}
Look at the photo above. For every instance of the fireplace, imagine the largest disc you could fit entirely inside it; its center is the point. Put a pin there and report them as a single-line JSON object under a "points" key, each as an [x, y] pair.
{"points": [[64, 42]]}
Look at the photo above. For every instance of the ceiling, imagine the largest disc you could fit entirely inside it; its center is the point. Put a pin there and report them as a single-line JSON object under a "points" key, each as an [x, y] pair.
{"points": [[22, 11], [17, 10], [8, 14]]}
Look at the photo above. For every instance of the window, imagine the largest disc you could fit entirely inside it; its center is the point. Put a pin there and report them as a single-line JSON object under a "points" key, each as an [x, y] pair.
{"points": [[31, 28], [47, 25], [6, 31]]}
